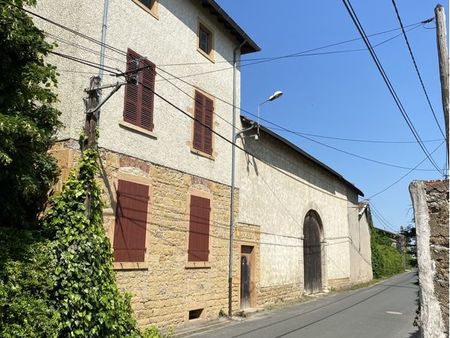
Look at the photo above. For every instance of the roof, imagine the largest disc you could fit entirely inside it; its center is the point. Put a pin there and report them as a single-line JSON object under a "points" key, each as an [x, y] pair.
{"points": [[249, 46], [305, 154]]}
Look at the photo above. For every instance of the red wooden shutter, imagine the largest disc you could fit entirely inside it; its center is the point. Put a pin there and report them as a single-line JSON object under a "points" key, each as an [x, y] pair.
{"points": [[199, 229], [130, 111], [198, 128], [148, 87], [139, 99], [131, 222], [208, 121]]}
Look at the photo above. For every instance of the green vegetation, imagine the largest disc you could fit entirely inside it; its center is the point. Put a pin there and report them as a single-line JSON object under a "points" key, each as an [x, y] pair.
{"points": [[386, 260], [85, 292], [56, 273], [28, 121]]}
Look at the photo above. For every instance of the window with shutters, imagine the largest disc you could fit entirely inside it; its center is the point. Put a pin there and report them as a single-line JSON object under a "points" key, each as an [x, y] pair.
{"points": [[198, 246], [131, 222], [139, 97], [203, 124]]}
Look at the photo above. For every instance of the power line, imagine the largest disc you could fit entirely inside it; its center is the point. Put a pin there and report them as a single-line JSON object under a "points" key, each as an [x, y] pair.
{"points": [[402, 177], [356, 155], [380, 216], [271, 58], [417, 68], [358, 140], [94, 65], [388, 83]]}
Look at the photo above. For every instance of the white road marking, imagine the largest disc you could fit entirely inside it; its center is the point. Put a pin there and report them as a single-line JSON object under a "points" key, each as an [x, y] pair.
{"points": [[394, 313]]}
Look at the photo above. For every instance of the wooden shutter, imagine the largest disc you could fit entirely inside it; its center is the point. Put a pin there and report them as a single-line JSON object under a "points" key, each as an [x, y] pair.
{"points": [[199, 229], [208, 121], [198, 128], [131, 222], [148, 87], [204, 110], [139, 99], [130, 111]]}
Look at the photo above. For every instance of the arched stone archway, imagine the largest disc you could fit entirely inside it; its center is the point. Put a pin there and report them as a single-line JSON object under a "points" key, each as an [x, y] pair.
{"points": [[312, 252]]}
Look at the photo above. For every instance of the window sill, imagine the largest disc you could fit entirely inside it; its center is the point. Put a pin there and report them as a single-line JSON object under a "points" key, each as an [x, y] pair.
{"points": [[209, 56], [153, 11], [198, 265], [202, 154], [137, 129], [130, 265]]}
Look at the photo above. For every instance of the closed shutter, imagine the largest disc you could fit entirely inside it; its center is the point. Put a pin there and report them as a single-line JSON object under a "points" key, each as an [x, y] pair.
{"points": [[207, 129], [131, 222], [148, 87], [199, 229], [132, 102], [198, 128], [204, 110], [139, 98]]}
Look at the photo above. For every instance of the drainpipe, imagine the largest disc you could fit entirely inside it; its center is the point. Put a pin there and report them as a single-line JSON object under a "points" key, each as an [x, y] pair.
{"points": [[102, 48], [233, 169]]}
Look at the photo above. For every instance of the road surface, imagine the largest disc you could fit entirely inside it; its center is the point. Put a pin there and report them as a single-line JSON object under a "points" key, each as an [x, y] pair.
{"points": [[386, 310]]}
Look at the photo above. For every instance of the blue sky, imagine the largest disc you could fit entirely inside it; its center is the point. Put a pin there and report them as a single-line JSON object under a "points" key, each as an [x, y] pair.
{"points": [[342, 94]]}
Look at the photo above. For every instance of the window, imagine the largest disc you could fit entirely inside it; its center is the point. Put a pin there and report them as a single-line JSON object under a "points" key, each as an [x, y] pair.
{"points": [[149, 5], [198, 250], [131, 222], [203, 124], [205, 40], [139, 97]]}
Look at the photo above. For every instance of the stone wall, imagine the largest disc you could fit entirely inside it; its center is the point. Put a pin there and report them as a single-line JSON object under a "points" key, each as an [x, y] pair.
{"points": [[430, 201], [165, 287]]}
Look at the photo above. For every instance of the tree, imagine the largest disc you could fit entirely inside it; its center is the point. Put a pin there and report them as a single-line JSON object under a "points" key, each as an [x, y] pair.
{"points": [[28, 120]]}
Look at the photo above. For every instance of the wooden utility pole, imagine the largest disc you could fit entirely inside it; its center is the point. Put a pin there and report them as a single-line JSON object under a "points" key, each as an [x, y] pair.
{"points": [[91, 103], [441, 37]]}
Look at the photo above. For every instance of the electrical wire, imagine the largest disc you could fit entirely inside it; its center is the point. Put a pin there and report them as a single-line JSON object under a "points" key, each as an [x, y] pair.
{"points": [[287, 130], [388, 83], [402, 177], [357, 140], [420, 79], [417, 68]]}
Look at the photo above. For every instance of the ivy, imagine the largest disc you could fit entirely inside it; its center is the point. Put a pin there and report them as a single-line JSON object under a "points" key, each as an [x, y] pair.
{"points": [[85, 292]]}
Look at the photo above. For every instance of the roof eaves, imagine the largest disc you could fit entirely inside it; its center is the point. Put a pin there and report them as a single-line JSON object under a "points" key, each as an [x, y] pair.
{"points": [[249, 46], [305, 154]]}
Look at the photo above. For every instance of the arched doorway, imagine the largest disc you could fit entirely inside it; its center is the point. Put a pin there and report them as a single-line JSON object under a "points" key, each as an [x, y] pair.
{"points": [[312, 252]]}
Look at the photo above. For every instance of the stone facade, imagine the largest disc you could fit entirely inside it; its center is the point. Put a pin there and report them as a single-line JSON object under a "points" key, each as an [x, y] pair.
{"points": [[275, 189], [165, 287], [431, 208]]}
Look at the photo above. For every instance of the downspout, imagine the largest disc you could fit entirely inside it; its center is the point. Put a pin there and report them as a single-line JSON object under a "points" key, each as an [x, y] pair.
{"points": [[233, 165], [102, 49]]}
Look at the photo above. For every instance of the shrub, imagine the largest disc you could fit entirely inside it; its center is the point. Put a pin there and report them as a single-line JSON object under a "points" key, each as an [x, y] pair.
{"points": [[26, 266], [386, 260]]}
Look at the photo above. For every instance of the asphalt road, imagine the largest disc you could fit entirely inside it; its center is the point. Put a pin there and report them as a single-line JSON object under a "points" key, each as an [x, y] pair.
{"points": [[386, 310]]}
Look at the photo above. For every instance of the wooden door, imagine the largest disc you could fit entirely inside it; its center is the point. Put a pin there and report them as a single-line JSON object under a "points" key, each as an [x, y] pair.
{"points": [[247, 289], [312, 254]]}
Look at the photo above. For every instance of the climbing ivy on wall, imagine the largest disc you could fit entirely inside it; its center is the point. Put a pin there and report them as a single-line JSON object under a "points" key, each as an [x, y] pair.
{"points": [[85, 292]]}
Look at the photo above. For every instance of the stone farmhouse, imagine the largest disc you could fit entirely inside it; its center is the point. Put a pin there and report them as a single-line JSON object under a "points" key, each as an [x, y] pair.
{"points": [[165, 151]]}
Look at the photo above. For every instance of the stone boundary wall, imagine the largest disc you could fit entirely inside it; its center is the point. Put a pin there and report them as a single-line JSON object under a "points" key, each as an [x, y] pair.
{"points": [[430, 202]]}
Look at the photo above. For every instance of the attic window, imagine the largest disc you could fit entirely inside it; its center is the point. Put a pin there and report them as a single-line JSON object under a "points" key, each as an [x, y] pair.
{"points": [[205, 41], [149, 5]]}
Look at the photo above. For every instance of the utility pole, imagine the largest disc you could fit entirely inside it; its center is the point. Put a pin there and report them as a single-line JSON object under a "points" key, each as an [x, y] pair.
{"points": [[91, 103], [90, 126], [441, 37]]}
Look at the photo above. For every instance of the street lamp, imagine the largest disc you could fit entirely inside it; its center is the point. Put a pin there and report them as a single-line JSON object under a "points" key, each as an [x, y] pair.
{"points": [[236, 134], [274, 96]]}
